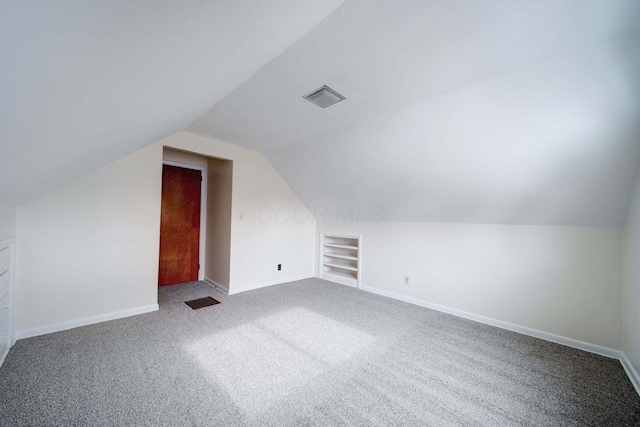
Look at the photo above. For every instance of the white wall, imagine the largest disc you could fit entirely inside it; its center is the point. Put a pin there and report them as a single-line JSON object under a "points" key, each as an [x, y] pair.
{"points": [[275, 227], [219, 206], [7, 221], [88, 251], [631, 287], [560, 280], [90, 248]]}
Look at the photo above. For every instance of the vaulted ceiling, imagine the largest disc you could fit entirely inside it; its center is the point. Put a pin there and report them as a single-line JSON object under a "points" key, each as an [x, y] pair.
{"points": [[83, 83], [488, 111], [495, 111]]}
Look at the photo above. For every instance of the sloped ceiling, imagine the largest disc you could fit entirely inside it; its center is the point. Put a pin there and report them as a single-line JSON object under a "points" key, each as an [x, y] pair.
{"points": [[84, 83], [493, 111]]}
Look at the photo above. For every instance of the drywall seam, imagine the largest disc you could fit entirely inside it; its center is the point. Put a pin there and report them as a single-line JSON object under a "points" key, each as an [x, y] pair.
{"points": [[275, 282], [631, 371], [63, 326], [581, 345]]}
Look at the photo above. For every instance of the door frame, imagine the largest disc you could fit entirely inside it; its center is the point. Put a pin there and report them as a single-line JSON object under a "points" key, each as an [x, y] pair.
{"points": [[203, 210]]}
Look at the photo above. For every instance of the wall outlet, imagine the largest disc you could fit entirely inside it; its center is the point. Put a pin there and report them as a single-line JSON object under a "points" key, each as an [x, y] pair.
{"points": [[279, 267], [406, 280]]}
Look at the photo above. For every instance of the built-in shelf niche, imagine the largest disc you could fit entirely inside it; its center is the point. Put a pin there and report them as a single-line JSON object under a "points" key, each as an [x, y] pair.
{"points": [[340, 258]]}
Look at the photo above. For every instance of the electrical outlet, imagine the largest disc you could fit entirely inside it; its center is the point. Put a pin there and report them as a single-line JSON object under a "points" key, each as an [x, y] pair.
{"points": [[406, 280], [279, 267]]}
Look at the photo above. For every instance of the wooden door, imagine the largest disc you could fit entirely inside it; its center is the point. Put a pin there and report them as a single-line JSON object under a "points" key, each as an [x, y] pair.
{"points": [[179, 225]]}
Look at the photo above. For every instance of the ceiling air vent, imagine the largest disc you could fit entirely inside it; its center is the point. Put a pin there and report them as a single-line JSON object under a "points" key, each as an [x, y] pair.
{"points": [[324, 97]]}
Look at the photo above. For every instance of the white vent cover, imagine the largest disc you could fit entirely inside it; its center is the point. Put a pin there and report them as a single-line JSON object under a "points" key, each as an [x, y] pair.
{"points": [[324, 97]]}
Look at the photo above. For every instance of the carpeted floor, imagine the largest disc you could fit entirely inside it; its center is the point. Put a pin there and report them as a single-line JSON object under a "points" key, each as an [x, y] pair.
{"points": [[308, 353]]}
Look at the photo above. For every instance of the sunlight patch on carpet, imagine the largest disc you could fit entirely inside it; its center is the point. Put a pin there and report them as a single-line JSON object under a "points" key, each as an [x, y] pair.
{"points": [[260, 363]]}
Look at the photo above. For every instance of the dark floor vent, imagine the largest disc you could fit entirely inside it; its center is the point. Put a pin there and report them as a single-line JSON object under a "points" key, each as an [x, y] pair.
{"points": [[201, 302]]}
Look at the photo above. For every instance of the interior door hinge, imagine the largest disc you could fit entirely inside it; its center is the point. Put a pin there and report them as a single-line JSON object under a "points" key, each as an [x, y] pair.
{"points": [[198, 266]]}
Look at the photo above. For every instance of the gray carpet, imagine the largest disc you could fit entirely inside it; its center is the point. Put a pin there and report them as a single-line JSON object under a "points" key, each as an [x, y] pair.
{"points": [[308, 353]]}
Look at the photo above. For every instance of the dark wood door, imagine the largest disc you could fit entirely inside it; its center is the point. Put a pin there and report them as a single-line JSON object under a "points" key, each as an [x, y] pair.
{"points": [[179, 225]]}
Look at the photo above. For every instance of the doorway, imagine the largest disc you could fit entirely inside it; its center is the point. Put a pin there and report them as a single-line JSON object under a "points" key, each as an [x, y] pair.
{"points": [[215, 219], [180, 225]]}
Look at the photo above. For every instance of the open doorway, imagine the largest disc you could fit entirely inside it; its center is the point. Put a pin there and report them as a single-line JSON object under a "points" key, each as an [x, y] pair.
{"points": [[202, 239], [180, 225]]}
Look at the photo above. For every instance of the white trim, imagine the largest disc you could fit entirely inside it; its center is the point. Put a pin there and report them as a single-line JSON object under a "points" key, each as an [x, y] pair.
{"points": [[216, 285], [203, 211], [339, 280], [341, 235], [4, 356], [275, 282], [63, 326], [7, 242], [10, 244], [631, 371], [633, 375], [581, 345]]}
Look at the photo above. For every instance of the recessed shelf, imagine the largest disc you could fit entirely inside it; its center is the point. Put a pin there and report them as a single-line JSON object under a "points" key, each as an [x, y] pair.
{"points": [[333, 245], [340, 266], [342, 277], [340, 258]]}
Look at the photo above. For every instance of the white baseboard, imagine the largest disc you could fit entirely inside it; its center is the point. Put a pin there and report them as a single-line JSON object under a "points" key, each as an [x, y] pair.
{"points": [[275, 282], [216, 285], [631, 371], [63, 326], [581, 345]]}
